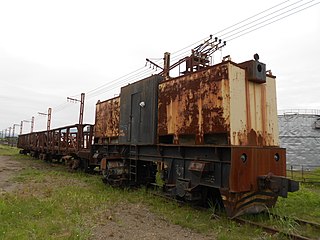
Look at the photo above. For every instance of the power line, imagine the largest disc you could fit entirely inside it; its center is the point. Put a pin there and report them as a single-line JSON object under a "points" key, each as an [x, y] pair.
{"points": [[109, 86], [275, 21], [124, 79], [115, 80], [200, 41], [259, 23], [236, 33], [236, 24]]}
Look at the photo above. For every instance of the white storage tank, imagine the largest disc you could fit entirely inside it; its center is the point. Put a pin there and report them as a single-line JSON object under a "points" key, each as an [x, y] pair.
{"points": [[299, 133]]}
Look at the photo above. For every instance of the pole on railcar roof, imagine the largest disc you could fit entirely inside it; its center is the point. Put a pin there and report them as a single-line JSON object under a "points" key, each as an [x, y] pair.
{"points": [[166, 66], [81, 109], [21, 125], [74, 100], [49, 119], [32, 124]]}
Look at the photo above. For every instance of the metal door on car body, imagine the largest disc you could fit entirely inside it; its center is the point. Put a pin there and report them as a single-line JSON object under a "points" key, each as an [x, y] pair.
{"points": [[135, 118]]}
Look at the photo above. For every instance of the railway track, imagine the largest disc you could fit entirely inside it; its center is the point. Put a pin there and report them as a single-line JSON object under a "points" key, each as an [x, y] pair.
{"points": [[273, 230], [297, 220], [264, 227]]}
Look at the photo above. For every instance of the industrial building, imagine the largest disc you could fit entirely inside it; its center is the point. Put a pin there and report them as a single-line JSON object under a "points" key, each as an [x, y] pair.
{"points": [[299, 133]]}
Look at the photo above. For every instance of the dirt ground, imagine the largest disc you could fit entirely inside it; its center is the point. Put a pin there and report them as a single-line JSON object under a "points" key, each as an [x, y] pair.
{"points": [[135, 221], [8, 169], [131, 221]]}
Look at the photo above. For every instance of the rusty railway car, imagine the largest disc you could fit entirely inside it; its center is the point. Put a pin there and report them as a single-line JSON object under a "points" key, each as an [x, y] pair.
{"points": [[211, 134], [74, 141]]}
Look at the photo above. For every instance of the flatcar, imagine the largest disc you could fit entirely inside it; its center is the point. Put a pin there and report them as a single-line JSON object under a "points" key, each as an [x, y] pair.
{"points": [[209, 134]]}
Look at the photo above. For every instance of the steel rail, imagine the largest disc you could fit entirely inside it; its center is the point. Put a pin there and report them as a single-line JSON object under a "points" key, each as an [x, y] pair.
{"points": [[297, 220], [240, 220], [271, 230]]}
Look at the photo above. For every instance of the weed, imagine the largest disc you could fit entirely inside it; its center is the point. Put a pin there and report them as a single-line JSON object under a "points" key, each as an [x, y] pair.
{"points": [[8, 150], [55, 204]]}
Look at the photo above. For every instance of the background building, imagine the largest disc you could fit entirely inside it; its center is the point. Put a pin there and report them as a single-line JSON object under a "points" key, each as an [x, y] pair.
{"points": [[299, 132]]}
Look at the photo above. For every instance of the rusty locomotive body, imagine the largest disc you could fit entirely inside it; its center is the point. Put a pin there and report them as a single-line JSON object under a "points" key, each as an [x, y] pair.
{"points": [[211, 133]]}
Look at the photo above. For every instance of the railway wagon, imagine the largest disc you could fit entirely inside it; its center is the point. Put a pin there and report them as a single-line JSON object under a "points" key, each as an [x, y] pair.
{"points": [[67, 142], [211, 134]]}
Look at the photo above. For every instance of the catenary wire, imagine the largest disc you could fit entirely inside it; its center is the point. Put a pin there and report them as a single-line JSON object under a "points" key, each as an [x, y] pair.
{"points": [[123, 79], [142, 71], [272, 22], [269, 19]]}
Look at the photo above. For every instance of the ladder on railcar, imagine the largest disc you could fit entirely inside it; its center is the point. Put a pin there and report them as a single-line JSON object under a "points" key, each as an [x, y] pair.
{"points": [[133, 163]]}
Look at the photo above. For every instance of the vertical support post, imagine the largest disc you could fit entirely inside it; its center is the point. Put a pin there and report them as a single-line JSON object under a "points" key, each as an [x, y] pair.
{"points": [[12, 138], [32, 124], [80, 128], [166, 65], [81, 109], [9, 133], [21, 125], [49, 119]]}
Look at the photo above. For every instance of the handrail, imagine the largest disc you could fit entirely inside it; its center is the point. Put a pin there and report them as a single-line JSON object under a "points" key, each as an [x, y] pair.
{"points": [[299, 112]]}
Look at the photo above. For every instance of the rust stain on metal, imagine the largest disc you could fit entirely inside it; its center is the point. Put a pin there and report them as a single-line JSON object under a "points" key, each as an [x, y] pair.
{"points": [[194, 104], [255, 139], [107, 118], [195, 108], [237, 203], [243, 173]]}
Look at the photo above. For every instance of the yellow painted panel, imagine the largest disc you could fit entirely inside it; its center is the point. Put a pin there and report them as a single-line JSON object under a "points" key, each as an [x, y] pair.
{"points": [[238, 113], [272, 127]]}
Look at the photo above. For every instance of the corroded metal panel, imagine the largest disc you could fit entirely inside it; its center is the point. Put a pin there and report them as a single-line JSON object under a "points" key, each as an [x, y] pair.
{"points": [[261, 110], [195, 104], [220, 106], [272, 124], [61, 141], [250, 162], [253, 107], [107, 119], [238, 105]]}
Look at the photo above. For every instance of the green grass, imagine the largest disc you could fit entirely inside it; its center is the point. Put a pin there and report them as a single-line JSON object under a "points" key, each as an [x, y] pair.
{"points": [[49, 207], [304, 204], [8, 151], [52, 203], [311, 176]]}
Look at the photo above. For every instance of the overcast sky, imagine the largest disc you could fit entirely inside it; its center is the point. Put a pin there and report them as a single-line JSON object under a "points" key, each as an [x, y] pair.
{"points": [[51, 50]]}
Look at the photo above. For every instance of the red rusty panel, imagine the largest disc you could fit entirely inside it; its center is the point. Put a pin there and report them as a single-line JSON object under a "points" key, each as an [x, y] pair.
{"points": [[195, 104], [259, 161], [107, 118]]}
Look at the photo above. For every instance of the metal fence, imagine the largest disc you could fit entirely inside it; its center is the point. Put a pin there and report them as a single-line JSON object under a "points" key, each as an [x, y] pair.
{"points": [[304, 173], [10, 141]]}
